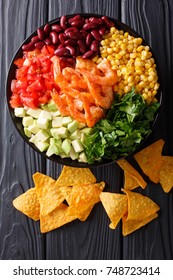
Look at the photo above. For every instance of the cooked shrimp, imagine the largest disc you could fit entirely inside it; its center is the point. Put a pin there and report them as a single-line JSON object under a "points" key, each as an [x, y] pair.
{"points": [[102, 98], [74, 112], [60, 100], [74, 78], [56, 66], [88, 65], [108, 78]]}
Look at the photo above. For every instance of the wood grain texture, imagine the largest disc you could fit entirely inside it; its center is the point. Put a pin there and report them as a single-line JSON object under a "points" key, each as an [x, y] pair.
{"points": [[20, 238]]}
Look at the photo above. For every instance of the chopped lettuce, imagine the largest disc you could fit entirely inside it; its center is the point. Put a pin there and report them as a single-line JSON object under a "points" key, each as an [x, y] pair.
{"points": [[126, 124]]}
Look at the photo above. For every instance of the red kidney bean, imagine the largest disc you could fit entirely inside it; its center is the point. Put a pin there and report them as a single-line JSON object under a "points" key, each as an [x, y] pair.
{"points": [[39, 45], [48, 41], [90, 26], [82, 46], [63, 22], [84, 33], [70, 42], [96, 35], [78, 23], [56, 27], [61, 46], [34, 39], [108, 22], [40, 34], [54, 37], [86, 20], [95, 46], [77, 17], [89, 54], [62, 52], [71, 49], [102, 31], [70, 29], [62, 38], [98, 21], [28, 47], [75, 35], [47, 29], [89, 39]]}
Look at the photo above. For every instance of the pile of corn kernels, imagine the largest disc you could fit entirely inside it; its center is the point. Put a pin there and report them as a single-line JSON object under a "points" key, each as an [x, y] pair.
{"points": [[133, 62]]}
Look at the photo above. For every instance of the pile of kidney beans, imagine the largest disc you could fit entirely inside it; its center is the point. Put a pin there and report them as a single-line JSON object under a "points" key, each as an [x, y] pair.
{"points": [[72, 37]]}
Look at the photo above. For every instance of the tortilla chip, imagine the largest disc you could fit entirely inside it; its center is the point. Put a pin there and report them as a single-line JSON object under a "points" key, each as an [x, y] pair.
{"points": [[71, 176], [82, 198], [150, 160], [130, 183], [128, 226], [115, 205], [28, 204], [84, 215], [127, 167], [166, 173], [55, 219], [139, 206], [50, 196]]}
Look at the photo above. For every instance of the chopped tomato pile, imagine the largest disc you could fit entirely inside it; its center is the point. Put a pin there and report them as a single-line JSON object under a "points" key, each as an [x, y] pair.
{"points": [[34, 79], [85, 91]]}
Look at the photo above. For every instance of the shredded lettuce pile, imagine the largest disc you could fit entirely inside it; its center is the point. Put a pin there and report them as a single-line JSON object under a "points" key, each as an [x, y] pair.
{"points": [[126, 124]]}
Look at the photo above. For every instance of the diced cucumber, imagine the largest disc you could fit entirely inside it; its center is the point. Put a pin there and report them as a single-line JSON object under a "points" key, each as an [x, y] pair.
{"points": [[73, 126], [77, 145], [66, 120], [42, 135], [83, 137], [55, 133], [81, 125], [42, 146], [82, 157], [52, 106], [57, 121], [56, 114], [62, 131], [53, 149], [45, 114], [27, 121], [19, 112], [43, 123], [33, 128], [34, 112], [66, 146], [27, 132], [75, 135], [87, 130], [72, 154]]}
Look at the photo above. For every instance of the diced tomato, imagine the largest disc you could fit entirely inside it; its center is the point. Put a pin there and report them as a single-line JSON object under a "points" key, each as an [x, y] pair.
{"points": [[34, 78], [19, 62]]}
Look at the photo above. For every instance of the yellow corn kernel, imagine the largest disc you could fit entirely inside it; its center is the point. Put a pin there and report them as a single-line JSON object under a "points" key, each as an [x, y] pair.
{"points": [[95, 58], [109, 57], [109, 50]]}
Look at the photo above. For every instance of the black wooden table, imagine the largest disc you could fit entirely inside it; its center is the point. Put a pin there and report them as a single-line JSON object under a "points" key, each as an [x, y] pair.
{"points": [[20, 237]]}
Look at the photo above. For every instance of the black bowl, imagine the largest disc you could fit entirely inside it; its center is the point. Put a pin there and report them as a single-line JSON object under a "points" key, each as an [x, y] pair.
{"points": [[17, 121]]}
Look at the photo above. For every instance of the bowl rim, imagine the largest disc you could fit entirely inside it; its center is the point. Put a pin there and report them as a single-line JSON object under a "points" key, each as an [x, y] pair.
{"points": [[18, 123]]}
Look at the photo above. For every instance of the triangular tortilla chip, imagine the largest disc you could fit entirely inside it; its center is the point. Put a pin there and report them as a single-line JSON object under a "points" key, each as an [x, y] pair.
{"points": [[71, 176], [55, 219], [115, 205], [150, 160], [166, 173], [50, 196], [82, 198], [128, 226], [28, 204], [127, 167], [130, 183], [139, 206]]}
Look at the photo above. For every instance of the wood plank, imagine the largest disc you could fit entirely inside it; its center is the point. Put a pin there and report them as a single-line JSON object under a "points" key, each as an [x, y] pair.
{"points": [[20, 237]]}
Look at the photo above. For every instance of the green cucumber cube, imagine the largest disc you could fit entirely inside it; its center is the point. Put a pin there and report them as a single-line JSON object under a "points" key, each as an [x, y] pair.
{"points": [[87, 130], [57, 121], [56, 114], [66, 146], [66, 120], [33, 128], [55, 133], [27, 121], [53, 149], [42, 135], [75, 135], [81, 125], [43, 123], [27, 132], [72, 154], [19, 112], [52, 106], [62, 131], [34, 112], [73, 126], [77, 145], [42, 146], [82, 157]]}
